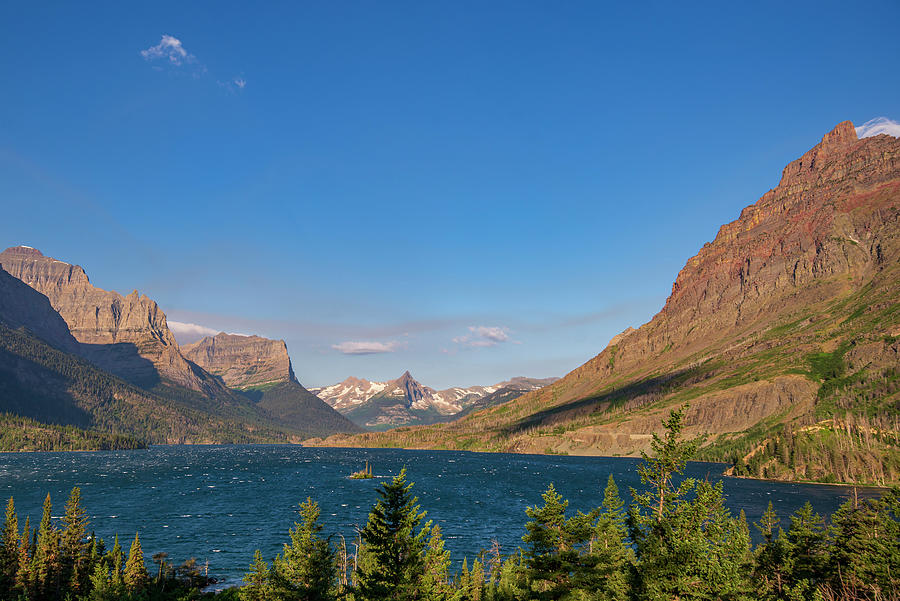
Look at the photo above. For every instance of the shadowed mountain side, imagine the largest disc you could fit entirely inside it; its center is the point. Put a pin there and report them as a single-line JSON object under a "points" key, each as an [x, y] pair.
{"points": [[125, 335], [294, 406], [49, 385], [260, 369], [23, 306]]}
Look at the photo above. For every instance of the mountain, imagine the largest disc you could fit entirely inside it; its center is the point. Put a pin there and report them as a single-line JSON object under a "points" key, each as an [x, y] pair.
{"points": [[242, 361], [44, 379], [405, 401], [783, 334], [261, 370], [127, 337], [23, 307]]}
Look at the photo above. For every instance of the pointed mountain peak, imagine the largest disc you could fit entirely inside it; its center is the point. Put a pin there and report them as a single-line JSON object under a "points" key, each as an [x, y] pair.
{"points": [[844, 133], [834, 144]]}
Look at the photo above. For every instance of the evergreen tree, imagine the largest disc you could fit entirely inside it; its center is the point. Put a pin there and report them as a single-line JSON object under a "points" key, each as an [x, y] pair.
{"points": [[511, 583], [73, 549], [808, 546], [116, 561], [24, 577], [609, 546], [47, 567], [686, 547], [258, 586], [9, 548], [392, 563], [436, 577], [307, 569], [771, 556], [865, 557], [559, 558], [101, 588], [135, 577]]}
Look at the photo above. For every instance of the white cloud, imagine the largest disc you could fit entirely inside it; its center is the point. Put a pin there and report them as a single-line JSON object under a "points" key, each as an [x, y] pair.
{"points": [[185, 333], [366, 347], [169, 49], [240, 82], [483, 336], [878, 125]]}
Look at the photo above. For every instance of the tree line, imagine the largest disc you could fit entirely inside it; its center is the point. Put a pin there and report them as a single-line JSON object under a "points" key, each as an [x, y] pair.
{"points": [[677, 540]]}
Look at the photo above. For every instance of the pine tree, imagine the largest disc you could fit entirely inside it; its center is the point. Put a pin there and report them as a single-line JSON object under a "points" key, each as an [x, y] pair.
{"points": [[808, 545], [865, 557], [771, 556], [116, 561], [609, 548], [670, 455], [511, 583], [9, 548], [135, 577], [686, 547], [258, 586], [73, 549], [24, 576], [558, 560], [307, 568], [436, 577], [47, 566], [101, 588], [392, 563]]}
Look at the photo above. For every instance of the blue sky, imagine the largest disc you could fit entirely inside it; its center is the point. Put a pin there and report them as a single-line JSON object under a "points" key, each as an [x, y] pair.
{"points": [[473, 190]]}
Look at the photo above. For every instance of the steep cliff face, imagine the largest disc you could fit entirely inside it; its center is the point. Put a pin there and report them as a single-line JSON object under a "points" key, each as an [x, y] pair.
{"points": [[807, 276], [833, 214], [242, 361], [261, 370], [126, 335], [21, 306]]}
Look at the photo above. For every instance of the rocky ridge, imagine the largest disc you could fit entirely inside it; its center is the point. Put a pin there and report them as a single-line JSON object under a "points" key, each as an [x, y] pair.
{"points": [[126, 335], [242, 361], [405, 401]]}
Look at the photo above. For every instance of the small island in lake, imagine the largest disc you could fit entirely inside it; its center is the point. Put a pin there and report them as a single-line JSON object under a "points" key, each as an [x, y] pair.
{"points": [[363, 474]]}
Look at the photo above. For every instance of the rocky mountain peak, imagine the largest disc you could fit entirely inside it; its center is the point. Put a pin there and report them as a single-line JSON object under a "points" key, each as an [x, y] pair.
{"points": [[834, 144], [408, 385], [242, 361], [24, 250], [126, 335]]}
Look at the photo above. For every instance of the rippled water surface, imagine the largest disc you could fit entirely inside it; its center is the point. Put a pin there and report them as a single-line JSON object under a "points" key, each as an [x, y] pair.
{"points": [[219, 503]]}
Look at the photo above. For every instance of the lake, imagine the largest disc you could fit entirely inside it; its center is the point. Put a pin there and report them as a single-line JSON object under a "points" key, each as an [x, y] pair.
{"points": [[220, 503]]}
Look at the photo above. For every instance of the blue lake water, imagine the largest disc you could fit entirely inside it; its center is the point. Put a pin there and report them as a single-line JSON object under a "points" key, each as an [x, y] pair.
{"points": [[220, 503]]}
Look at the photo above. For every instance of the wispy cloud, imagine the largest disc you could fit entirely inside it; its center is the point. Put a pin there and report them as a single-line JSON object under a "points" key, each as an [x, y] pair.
{"points": [[483, 336], [170, 50], [234, 85], [369, 347], [879, 125], [185, 333]]}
